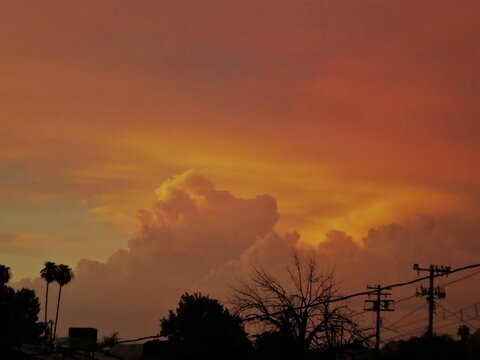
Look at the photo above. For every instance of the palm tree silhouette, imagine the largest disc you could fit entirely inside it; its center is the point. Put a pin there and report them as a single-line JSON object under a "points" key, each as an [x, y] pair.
{"points": [[63, 276], [48, 274], [5, 275]]}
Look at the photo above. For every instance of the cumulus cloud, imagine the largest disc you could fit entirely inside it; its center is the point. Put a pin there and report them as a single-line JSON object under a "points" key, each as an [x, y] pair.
{"points": [[198, 238], [388, 252], [190, 230]]}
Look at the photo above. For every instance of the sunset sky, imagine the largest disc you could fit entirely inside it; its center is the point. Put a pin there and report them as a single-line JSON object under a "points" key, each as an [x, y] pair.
{"points": [[310, 122]]}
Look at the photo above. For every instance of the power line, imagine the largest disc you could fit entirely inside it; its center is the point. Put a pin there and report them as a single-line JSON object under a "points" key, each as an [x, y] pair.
{"points": [[415, 330], [357, 313], [401, 333], [371, 292], [449, 324], [409, 333], [445, 285], [397, 330], [404, 333], [387, 287], [412, 322], [459, 320], [138, 339], [406, 298], [454, 315], [363, 293], [474, 305], [463, 278], [409, 314]]}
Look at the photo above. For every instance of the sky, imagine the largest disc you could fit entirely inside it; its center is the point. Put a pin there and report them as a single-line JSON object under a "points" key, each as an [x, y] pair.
{"points": [[159, 147]]}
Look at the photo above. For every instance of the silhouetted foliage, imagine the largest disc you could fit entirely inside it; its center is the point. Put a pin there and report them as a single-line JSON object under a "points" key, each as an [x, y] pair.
{"points": [[300, 312], [158, 349], [473, 345], [48, 274], [201, 324], [19, 316], [110, 340], [5, 275], [463, 332], [274, 345], [63, 275], [415, 348]]}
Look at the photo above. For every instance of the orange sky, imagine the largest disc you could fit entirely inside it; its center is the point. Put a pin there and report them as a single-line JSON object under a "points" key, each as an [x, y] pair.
{"points": [[352, 115]]}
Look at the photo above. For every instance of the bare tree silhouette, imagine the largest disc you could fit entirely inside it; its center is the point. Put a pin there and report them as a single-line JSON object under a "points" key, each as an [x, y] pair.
{"points": [[301, 312]]}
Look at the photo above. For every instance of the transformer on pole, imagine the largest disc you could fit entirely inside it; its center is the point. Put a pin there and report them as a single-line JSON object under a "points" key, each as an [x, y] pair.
{"points": [[378, 304], [431, 293]]}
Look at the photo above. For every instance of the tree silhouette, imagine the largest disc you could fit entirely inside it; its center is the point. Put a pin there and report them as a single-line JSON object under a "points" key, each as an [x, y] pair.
{"points": [[415, 348], [300, 312], [63, 276], [48, 274], [110, 340], [5, 296], [5, 275], [27, 307], [464, 332], [202, 324], [18, 318]]}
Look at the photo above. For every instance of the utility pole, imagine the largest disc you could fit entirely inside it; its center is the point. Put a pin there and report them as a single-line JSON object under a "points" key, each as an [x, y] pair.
{"points": [[431, 293], [378, 305]]}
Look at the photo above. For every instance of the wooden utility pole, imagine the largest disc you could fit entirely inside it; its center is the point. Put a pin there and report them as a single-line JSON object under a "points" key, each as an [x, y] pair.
{"points": [[378, 305], [431, 293]]}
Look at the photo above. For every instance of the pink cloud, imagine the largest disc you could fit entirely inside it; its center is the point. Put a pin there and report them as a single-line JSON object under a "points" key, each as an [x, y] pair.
{"points": [[198, 238], [191, 229]]}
